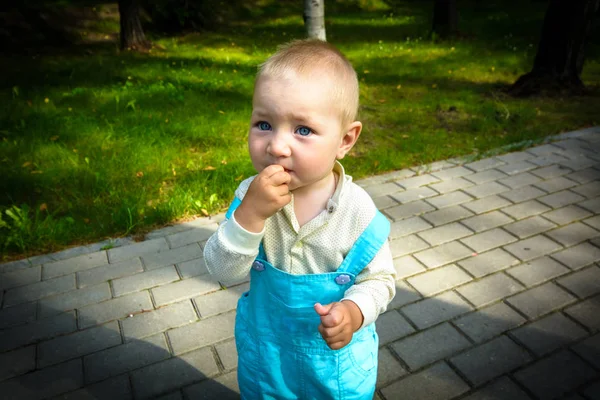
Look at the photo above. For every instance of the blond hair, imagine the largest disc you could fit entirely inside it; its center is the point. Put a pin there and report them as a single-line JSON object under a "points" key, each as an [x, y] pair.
{"points": [[305, 57]]}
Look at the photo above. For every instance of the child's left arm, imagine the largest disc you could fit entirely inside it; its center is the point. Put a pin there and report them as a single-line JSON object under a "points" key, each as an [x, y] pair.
{"points": [[373, 290]]}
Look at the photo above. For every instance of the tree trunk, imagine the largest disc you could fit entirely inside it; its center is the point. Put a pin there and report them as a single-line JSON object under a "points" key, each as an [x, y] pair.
{"points": [[445, 18], [132, 34], [314, 19], [559, 59]]}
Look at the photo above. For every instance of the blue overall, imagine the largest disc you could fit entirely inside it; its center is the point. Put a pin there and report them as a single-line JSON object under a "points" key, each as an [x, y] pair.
{"points": [[281, 354]]}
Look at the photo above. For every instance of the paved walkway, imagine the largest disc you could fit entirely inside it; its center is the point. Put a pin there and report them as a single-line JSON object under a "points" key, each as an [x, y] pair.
{"points": [[498, 294]]}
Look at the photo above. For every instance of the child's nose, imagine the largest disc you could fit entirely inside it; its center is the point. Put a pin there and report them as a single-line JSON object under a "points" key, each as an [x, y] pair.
{"points": [[279, 146]]}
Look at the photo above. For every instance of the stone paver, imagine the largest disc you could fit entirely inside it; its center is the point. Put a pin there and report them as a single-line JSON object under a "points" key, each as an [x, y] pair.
{"points": [[389, 368], [586, 312], [490, 360], [408, 226], [407, 245], [522, 194], [173, 373], [434, 344], [549, 333], [487, 204], [445, 233], [408, 210], [537, 271], [503, 388], [567, 214], [487, 221], [443, 254], [36, 331], [488, 322], [519, 180], [486, 176], [497, 294], [39, 290], [449, 199], [548, 381], [407, 266], [488, 240], [532, 248], [117, 308], [404, 295], [438, 382], [126, 357], [78, 344], [583, 283], [578, 256], [392, 326], [203, 333], [487, 263], [489, 289], [150, 323], [137, 249], [434, 310], [184, 289], [446, 215], [526, 209], [540, 300], [109, 272], [439, 280], [150, 279], [589, 349], [529, 227], [573, 234]]}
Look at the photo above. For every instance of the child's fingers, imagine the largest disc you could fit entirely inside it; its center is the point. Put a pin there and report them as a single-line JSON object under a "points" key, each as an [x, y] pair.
{"points": [[272, 170], [280, 178], [323, 310], [337, 345], [331, 333], [334, 318]]}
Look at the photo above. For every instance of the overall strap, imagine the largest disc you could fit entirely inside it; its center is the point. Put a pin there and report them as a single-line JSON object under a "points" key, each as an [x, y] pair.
{"points": [[367, 245], [235, 204]]}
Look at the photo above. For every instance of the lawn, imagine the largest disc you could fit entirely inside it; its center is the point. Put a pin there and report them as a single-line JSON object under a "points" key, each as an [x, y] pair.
{"points": [[96, 143]]}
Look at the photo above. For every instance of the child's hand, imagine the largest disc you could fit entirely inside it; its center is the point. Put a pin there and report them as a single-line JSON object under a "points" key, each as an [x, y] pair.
{"points": [[267, 194], [339, 321]]}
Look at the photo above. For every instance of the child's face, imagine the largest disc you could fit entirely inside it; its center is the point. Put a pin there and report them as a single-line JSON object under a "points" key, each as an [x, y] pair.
{"points": [[294, 124]]}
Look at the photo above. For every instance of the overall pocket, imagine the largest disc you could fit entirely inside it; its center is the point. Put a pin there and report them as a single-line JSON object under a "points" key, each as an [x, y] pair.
{"points": [[249, 368], [298, 322]]}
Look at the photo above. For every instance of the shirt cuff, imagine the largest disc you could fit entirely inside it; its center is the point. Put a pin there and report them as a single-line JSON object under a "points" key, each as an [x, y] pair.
{"points": [[366, 304], [239, 239]]}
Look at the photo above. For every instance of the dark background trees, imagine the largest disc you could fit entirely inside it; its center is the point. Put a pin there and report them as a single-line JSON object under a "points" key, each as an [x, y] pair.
{"points": [[561, 51]]}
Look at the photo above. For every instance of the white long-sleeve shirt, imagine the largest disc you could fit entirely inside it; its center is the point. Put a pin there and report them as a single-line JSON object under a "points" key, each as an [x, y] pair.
{"points": [[317, 247]]}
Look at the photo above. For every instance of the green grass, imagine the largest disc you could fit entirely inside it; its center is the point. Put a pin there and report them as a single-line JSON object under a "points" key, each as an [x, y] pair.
{"points": [[95, 144]]}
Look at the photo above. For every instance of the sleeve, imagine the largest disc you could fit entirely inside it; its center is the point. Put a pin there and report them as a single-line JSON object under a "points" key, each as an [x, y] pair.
{"points": [[375, 286], [230, 251]]}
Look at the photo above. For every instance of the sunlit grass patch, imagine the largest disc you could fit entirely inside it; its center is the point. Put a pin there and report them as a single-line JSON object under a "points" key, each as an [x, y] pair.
{"points": [[110, 144]]}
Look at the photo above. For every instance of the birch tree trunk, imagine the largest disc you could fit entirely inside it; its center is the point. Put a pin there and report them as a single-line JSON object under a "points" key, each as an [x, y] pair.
{"points": [[314, 19]]}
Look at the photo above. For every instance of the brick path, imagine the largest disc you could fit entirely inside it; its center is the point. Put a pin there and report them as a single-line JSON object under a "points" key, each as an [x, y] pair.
{"points": [[498, 294]]}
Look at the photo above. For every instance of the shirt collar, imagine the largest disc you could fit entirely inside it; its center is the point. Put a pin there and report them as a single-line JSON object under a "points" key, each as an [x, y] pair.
{"points": [[334, 201]]}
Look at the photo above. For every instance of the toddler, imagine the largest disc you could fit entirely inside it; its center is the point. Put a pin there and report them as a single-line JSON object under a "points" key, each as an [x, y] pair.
{"points": [[314, 243]]}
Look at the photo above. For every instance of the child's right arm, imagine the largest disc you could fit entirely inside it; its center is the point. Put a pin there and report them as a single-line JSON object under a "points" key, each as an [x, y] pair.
{"points": [[230, 251]]}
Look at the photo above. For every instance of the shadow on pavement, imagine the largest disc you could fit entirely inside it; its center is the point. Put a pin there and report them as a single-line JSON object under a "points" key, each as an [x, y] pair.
{"points": [[430, 348], [46, 353]]}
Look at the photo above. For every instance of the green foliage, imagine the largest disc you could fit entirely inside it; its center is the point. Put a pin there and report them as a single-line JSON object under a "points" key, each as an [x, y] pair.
{"points": [[108, 144]]}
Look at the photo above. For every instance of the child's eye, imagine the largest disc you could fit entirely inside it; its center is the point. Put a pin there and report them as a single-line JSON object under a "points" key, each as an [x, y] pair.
{"points": [[304, 131], [264, 126]]}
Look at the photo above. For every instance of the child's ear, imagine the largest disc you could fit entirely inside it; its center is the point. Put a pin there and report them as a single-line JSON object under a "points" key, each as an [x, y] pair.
{"points": [[349, 138]]}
